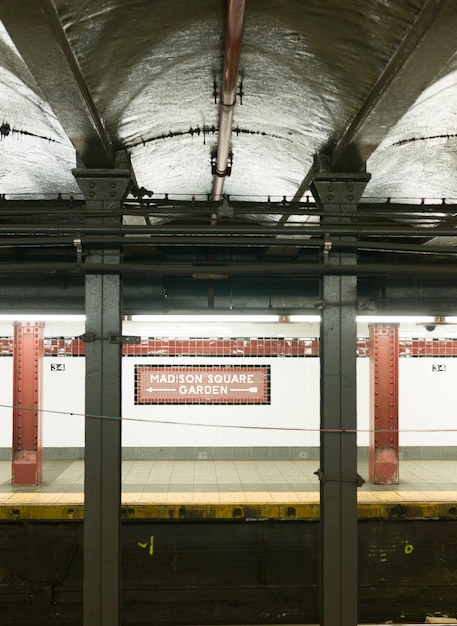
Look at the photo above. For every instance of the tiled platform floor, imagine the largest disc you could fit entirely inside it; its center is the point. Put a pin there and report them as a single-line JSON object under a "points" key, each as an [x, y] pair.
{"points": [[220, 482]]}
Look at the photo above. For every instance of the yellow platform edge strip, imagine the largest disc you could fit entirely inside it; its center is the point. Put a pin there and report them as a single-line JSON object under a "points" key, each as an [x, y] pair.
{"points": [[242, 512]]}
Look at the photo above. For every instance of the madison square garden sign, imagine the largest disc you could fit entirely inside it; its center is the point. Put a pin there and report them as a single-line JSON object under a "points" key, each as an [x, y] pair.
{"points": [[202, 384]]}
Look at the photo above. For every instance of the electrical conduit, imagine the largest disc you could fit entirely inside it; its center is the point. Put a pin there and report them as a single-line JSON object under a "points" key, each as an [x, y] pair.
{"points": [[236, 10]]}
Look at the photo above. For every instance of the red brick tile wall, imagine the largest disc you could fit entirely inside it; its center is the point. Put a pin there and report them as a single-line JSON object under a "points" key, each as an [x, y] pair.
{"points": [[236, 346]]}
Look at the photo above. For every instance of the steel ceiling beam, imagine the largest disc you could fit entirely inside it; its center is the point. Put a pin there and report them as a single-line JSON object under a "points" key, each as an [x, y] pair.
{"points": [[57, 243], [237, 242], [249, 269], [425, 50], [36, 31], [203, 232], [76, 207]]}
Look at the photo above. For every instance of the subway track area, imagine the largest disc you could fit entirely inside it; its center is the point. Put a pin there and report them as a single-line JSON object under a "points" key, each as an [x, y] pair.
{"points": [[229, 542]]}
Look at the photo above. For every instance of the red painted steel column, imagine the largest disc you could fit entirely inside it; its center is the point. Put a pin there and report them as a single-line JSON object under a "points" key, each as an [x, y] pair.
{"points": [[27, 384], [383, 450]]}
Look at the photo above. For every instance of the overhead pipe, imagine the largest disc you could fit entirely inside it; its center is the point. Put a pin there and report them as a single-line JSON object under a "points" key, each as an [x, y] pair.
{"points": [[236, 10]]}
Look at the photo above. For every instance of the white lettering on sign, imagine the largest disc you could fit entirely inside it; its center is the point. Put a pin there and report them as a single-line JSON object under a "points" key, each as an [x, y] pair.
{"points": [[231, 378], [175, 378], [198, 378], [207, 390]]}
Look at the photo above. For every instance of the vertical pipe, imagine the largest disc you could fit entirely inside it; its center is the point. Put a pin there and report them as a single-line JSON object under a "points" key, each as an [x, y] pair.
{"points": [[236, 10]]}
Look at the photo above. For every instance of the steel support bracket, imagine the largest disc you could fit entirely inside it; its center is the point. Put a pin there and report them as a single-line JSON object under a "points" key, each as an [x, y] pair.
{"points": [[327, 248], [338, 188], [123, 339], [322, 304], [103, 184], [110, 338], [226, 172], [79, 249], [323, 478]]}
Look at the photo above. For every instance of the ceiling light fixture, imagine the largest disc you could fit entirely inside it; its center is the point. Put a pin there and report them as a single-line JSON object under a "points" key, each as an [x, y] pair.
{"points": [[40, 317], [395, 319], [204, 318]]}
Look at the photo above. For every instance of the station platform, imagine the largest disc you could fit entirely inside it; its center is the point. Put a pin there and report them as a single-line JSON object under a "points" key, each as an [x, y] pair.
{"points": [[230, 490]]}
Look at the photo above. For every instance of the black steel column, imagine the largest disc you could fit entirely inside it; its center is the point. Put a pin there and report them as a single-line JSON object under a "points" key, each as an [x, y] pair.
{"points": [[103, 190], [338, 195]]}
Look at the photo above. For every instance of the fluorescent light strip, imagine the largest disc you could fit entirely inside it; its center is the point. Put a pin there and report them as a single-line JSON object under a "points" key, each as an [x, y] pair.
{"points": [[41, 317], [255, 318], [303, 318], [204, 318], [395, 319], [368, 319]]}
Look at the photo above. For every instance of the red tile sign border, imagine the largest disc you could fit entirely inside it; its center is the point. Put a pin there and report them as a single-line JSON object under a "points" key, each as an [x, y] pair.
{"points": [[202, 384]]}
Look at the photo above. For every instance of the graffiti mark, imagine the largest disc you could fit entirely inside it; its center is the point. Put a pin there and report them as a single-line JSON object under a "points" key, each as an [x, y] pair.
{"points": [[149, 545], [409, 548]]}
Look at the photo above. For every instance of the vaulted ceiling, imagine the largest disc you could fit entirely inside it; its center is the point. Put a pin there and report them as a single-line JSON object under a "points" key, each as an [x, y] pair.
{"points": [[226, 111]]}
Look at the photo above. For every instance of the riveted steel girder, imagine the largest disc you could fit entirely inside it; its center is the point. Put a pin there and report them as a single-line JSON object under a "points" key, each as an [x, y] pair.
{"points": [[27, 462], [338, 446], [103, 191], [383, 449]]}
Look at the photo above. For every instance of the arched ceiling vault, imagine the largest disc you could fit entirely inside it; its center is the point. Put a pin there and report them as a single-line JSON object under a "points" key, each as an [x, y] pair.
{"points": [[366, 85]]}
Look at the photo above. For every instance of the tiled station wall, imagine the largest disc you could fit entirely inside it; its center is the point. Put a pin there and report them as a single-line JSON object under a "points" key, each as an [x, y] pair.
{"points": [[428, 370]]}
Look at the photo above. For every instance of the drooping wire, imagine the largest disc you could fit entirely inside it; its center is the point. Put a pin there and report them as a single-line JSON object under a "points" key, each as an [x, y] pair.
{"points": [[231, 426]]}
